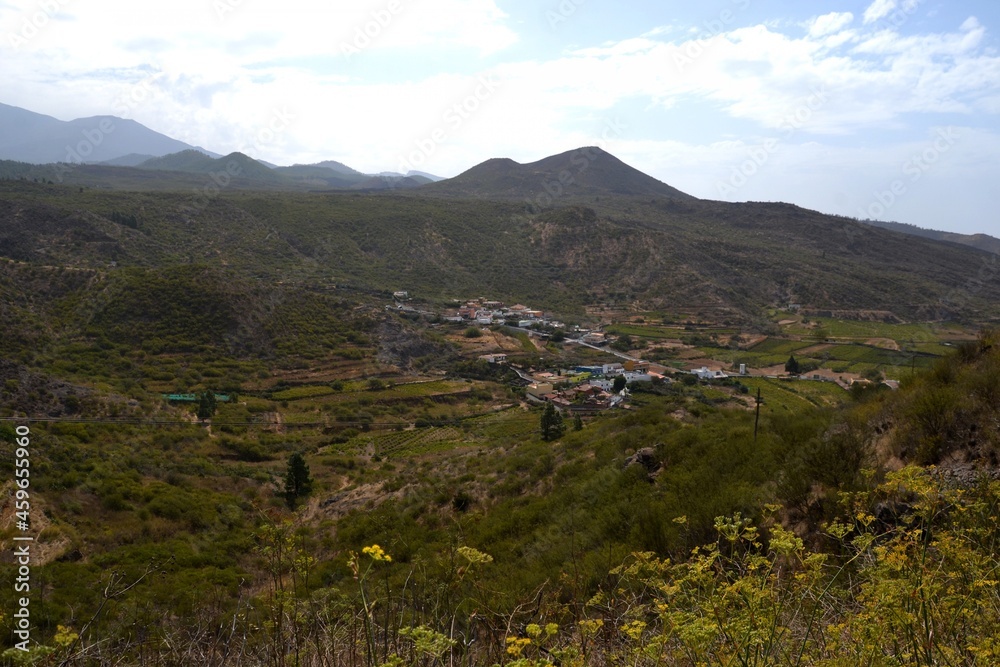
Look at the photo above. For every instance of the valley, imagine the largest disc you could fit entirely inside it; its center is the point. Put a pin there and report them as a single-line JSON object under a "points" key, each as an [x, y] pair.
{"points": [[312, 423]]}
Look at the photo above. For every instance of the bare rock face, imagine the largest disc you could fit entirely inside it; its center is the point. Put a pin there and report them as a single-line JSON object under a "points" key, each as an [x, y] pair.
{"points": [[23, 390], [400, 347], [645, 458]]}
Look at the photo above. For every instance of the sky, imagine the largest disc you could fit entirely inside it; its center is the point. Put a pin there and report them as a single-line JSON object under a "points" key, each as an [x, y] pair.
{"points": [[882, 109]]}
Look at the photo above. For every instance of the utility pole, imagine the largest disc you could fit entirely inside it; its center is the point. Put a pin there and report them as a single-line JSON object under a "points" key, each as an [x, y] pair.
{"points": [[756, 420]]}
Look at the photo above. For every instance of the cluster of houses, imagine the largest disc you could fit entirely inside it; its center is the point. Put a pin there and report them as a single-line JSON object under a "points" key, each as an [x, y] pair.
{"points": [[486, 311], [587, 389]]}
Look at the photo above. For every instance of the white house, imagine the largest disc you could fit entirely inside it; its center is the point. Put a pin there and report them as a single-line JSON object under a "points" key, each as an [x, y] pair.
{"points": [[705, 373], [494, 358]]}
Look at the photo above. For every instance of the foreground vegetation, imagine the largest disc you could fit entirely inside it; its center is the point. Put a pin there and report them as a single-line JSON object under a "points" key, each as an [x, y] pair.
{"points": [[480, 543]]}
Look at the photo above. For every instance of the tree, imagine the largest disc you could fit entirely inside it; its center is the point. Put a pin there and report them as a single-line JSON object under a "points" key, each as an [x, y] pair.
{"points": [[577, 423], [792, 366], [298, 483], [552, 424], [619, 384], [206, 405], [623, 344], [874, 375]]}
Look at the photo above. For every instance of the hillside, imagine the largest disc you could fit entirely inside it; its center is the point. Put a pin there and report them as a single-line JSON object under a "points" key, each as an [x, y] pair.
{"points": [[725, 260], [584, 172], [979, 241]]}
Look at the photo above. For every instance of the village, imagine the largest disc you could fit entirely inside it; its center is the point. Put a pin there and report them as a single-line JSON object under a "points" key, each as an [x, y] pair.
{"points": [[583, 390], [596, 387]]}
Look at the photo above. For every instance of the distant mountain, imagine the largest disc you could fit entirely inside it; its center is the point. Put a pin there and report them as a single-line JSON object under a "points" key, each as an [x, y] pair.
{"points": [[387, 182], [318, 176], [187, 160], [980, 241], [431, 177], [130, 160], [338, 176], [236, 165], [338, 167], [582, 172], [31, 137], [421, 176]]}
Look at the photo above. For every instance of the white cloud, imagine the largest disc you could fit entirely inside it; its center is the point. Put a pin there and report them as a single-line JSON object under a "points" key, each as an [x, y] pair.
{"points": [[879, 10], [971, 23], [829, 23]]}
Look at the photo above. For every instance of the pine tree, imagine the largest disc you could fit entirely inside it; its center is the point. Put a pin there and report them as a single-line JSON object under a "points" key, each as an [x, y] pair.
{"points": [[206, 405], [792, 366], [298, 483], [552, 424]]}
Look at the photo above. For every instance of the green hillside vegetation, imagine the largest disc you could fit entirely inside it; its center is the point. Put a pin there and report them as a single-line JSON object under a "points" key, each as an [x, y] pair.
{"points": [[722, 260], [492, 532]]}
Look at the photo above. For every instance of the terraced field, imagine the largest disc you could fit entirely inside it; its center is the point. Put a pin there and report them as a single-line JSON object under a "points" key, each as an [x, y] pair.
{"points": [[857, 330], [781, 396]]}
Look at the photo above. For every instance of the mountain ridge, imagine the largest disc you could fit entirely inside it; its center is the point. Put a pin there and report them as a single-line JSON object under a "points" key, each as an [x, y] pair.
{"points": [[40, 139], [119, 145], [581, 172]]}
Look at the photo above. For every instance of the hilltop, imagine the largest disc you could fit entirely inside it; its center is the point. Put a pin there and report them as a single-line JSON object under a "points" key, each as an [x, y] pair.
{"points": [[584, 172], [235, 165]]}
